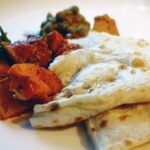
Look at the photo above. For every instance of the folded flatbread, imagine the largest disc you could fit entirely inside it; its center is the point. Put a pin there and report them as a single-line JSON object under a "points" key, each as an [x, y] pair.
{"points": [[107, 72], [121, 128]]}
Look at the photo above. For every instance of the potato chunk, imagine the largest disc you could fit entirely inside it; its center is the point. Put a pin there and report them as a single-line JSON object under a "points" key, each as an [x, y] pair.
{"points": [[105, 24]]}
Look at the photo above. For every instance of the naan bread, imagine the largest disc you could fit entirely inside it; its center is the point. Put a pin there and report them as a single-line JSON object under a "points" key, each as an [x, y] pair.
{"points": [[121, 128], [109, 71]]}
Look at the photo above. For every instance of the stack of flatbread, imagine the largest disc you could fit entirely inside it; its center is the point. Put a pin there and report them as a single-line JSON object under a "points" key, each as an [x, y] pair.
{"points": [[108, 78]]}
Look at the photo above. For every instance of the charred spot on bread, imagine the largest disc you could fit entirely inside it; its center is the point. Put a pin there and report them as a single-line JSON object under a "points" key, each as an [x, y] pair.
{"points": [[54, 106], [128, 142], [77, 119], [124, 117], [103, 123], [90, 90], [93, 129], [111, 79], [138, 62], [123, 66], [68, 93], [55, 121]]}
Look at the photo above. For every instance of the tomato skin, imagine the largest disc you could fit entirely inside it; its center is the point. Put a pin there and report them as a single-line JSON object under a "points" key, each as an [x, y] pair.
{"points": [[35, 51], [3, 69], [9, 106], [55, 41], [38, 51]]}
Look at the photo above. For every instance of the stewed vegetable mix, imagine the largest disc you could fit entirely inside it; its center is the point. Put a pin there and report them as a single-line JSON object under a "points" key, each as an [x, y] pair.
{"points": [[70, 23]]}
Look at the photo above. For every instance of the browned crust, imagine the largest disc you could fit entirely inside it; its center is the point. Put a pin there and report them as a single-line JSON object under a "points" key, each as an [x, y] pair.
{"points": [[103, 123]]}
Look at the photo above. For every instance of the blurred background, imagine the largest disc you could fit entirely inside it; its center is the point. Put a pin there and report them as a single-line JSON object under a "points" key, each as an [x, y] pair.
{"points": [[19, 17]]}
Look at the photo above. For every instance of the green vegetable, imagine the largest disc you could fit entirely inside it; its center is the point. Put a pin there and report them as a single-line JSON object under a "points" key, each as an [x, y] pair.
{"points": [[49, 25], [3, 36], [5, 56], [3, 52], [70, 23]]}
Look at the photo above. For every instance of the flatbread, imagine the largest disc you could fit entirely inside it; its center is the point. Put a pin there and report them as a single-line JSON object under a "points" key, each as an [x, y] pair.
{"points": [[109, 71], [121, 128]]}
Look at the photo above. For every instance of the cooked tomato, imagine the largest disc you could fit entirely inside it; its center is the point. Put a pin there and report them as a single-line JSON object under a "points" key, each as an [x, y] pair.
{"points": [[10, 107], [3, 68], [29, 81]]}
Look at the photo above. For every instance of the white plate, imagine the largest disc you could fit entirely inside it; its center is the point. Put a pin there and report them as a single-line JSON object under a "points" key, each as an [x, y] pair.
{"points": [[21, 16]]}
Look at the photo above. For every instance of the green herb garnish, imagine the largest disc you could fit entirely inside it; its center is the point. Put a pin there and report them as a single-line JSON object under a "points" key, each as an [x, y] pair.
{"points": [[3, 36], [3, 53]]}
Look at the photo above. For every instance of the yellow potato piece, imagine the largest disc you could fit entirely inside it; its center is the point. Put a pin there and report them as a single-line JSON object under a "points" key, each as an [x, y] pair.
{"points": [[105, 24]]}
